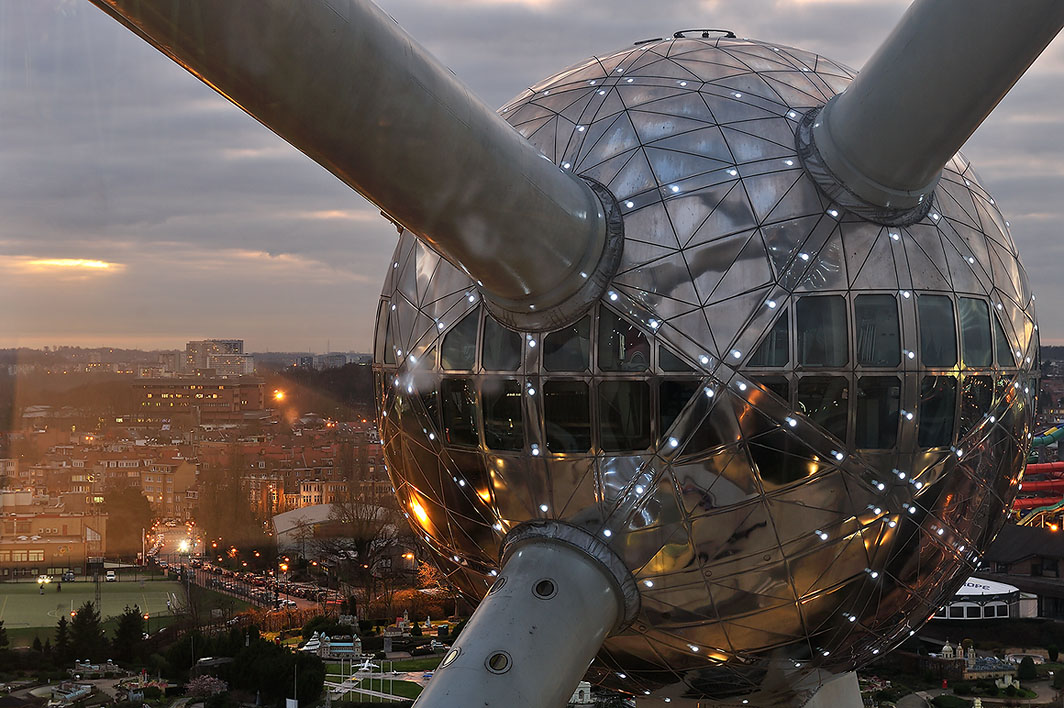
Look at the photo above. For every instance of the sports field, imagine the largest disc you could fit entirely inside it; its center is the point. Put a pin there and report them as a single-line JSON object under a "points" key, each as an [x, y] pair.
{"points": [[23, 609]]}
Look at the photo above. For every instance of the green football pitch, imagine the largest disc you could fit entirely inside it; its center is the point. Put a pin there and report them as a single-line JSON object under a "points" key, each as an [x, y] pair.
{"points": [[23, 607]]}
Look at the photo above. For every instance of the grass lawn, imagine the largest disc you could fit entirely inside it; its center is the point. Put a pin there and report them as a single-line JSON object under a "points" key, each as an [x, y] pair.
{"points": [[26, 613], [406, 689], [421, 663]]}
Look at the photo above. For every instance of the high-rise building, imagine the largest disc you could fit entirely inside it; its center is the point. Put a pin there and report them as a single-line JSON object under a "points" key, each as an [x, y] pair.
{"points": [[227, 354]]}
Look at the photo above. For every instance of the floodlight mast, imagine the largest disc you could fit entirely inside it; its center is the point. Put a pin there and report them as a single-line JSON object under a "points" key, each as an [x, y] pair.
{"points": [[343, 83], [885, 139]]}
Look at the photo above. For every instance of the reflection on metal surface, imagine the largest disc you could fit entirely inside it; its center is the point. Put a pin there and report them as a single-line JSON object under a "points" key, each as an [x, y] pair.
{"points": [[794, 426]]}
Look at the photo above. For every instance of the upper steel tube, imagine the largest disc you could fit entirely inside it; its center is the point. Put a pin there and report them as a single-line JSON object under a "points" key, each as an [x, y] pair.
{"points": [[925, 91], [342, 82]]}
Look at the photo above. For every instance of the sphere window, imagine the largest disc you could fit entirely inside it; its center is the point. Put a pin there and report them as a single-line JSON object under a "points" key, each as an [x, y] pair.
{"points": [[389, 348], [568, 349], [670, 362], [621, 345], [567, 415], [938, 331], [503, 420], [501, 347], [975, 332], [1005, 356], [778, 385], [624, 415], [821, 326], [938, 398], [878, 333], [877, 412], [459, 349], [976, 400], [824, 399], [773, 350], [459, 412], [673, 395]]}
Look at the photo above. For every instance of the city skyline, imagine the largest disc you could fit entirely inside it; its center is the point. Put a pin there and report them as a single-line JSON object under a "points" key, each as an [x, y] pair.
{"points": [[139, 204]]}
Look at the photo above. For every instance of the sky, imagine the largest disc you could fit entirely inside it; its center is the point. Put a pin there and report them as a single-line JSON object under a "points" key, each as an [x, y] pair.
{"points": [[140, 209]]}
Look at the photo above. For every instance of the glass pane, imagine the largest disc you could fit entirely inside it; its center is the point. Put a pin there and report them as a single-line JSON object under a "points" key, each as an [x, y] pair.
{"points": [[821, 325], [937, 404], [503, 420], [975, 332], [624, 415], [938, 333], [673, 396], [1005, 356], [773, 348], [459, 349], [976, 401], [567, 416], [877, 412], [779, 385], [567, 349], [824, 400], [430, 400], [502, 347], [379, 334], [622, 346], [459, 412], [389, 345], [670, 362], [878, 337]]}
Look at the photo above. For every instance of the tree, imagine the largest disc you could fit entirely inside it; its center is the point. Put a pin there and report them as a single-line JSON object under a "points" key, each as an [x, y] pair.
{"points": [[205, 686], [429, 576], [128, 514], [1053, 652], [62, 639], [86, 633], [4, 643], [37, 646], [1027, 672], [362, 536], [128, 634]]}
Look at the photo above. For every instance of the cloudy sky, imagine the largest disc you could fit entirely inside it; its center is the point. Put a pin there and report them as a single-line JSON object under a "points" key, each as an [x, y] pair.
{"points": [[139, 209]]}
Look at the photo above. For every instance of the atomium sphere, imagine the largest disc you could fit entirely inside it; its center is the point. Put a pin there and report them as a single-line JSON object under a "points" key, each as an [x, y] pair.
{"points": [[798, 429]]}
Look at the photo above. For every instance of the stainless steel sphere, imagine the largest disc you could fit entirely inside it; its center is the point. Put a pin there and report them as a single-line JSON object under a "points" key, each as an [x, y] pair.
{"points": [[798, 429]]}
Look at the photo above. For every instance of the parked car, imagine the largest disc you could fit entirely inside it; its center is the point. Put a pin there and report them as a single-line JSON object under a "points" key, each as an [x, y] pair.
{"points": [[68, 577], [110, 577]]}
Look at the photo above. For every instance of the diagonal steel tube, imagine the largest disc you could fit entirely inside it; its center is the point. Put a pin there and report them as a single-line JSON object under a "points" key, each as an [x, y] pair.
{"points": [[342, 82]]}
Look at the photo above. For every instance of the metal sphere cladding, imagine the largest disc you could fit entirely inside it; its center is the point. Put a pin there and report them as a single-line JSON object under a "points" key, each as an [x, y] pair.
{"points": [[797, 428]]}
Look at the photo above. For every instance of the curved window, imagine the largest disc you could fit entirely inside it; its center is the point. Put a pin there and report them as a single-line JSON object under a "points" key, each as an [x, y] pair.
{"points": [[938, 397], [975, 332], [878, 334], [824, 399], [621, 345], [670, 362], [501, 348], [773, 348], [624, 415], [503, 419], [568, 349], [938, 332], [567, 415], [976, 400], [877, 412], [673, 395], [459, 350], [1001, 343], [821, 325], [459, 408]]}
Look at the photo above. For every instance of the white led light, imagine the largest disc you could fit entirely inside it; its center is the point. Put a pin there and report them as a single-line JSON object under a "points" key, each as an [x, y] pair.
{"points": [[709, 392], [771, 304], [896, 237], [683, 83], [673, 442], [639, 489], [607, 533], [792, 114], [736, 354], [733, 173], [674, 189], [648, 583], [737, 94], [742, 386], [804, 256], [613, 296], [581, 128], [791, 421], [566, 165], [834, 213], [543, 507], [789, 163], [629, 204]]}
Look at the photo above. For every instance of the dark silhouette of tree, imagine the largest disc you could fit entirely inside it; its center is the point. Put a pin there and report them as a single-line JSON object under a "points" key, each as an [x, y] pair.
{"points": [[37, 646], [128, 513], [1027, 672], [87, 639], [4, 643], [62, 639], [128, 634]]}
